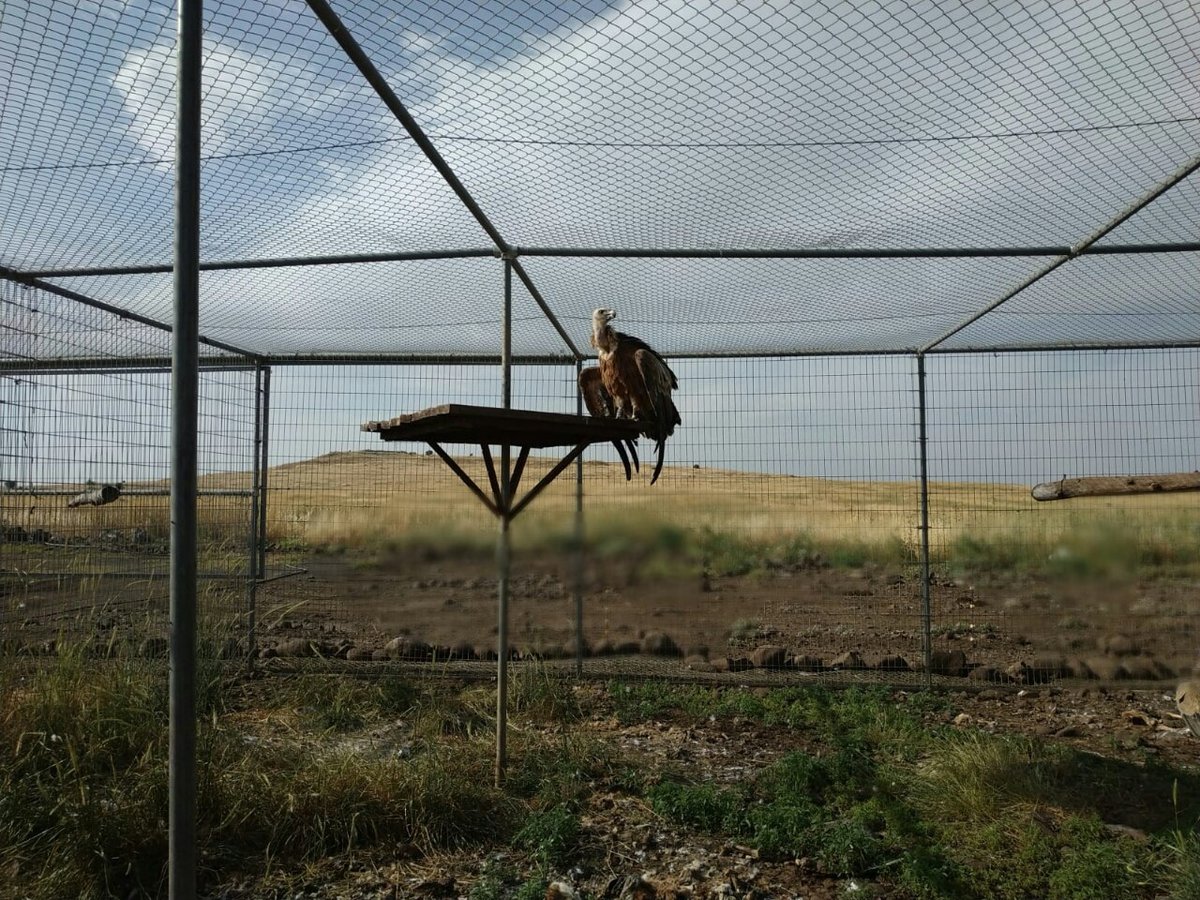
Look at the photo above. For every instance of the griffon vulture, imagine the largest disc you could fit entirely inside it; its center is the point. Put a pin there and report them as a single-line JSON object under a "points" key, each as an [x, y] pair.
{"points": [[634, 381]]}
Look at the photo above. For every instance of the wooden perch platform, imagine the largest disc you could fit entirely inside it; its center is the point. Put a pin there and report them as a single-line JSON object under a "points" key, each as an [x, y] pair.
{"points": [[455, 423], [486, 426], [1116, 485]]}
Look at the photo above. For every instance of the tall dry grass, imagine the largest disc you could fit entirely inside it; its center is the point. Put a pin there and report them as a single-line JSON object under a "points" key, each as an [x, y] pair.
{"points": [[375, 499]]}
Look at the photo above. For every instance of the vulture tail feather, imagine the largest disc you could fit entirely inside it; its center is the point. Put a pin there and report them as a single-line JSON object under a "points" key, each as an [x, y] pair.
{"points": [[632, 445], [624, 459], [659, 447]]}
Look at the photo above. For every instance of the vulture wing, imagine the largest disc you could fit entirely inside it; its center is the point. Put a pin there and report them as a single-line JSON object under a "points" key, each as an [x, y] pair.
{"points": [[600, 405], [659, 381]]}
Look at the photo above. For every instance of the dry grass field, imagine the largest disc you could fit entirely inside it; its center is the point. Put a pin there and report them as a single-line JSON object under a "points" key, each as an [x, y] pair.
{"points": [[392, 543], [370, 499]]}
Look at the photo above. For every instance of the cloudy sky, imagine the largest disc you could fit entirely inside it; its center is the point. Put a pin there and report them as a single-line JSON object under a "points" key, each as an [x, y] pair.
{"points": [[651, 125]]}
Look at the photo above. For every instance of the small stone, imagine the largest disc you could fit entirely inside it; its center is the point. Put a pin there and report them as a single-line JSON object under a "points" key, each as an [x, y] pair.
{"points": [[851, 660], [294, 647], [989, 674], [962, 718], [658, 644], [1120, 645], [769, 657], [806, 663], [731, 664], [948, 662]]}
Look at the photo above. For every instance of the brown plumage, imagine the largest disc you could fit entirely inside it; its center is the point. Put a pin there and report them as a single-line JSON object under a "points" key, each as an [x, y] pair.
{"points": [[600, 404], [638, 382]]}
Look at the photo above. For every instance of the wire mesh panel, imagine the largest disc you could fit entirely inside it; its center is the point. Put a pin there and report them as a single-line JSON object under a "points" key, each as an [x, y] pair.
{"points": [[391, 542], [86, 447], [1100, 585], [785, 516]]}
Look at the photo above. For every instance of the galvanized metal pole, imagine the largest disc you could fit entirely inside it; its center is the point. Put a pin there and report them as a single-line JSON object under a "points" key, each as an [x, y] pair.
{"points": [[578, 588], [185, 387], [923, 445], [263, 470], [255, 486], [504, 548]]}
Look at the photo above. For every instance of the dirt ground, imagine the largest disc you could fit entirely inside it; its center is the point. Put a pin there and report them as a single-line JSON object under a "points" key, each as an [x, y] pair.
{"points": [[1140, 630]]}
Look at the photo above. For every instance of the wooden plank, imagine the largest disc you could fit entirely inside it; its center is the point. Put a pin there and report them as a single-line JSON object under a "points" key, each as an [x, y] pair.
{"points": [[460, 423], [1116, 485]]}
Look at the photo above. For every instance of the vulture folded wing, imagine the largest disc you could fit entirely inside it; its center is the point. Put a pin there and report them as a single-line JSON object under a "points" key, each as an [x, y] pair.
{"points": [[658, 380], [600, 405]]}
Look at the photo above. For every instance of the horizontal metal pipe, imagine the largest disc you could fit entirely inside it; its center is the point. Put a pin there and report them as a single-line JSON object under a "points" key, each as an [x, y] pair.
{"points": [[12, 368], [268, 263], [853, 252], [627, 253]]}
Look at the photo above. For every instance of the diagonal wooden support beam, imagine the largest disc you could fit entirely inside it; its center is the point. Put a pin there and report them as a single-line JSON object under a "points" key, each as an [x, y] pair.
{"points": [[547, 478], [465, 478], [490, 464], [518, 470]]}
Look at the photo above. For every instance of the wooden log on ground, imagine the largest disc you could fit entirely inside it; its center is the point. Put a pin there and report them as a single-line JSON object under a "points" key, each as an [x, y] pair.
{"points": [[1115, 485], [97, 495]]}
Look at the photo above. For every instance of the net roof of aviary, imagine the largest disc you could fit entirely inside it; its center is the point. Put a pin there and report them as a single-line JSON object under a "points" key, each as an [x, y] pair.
{"points": [[733, 178]]}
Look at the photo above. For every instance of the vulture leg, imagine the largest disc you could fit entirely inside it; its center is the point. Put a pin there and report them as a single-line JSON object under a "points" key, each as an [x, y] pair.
{"points": [[600, 406]]}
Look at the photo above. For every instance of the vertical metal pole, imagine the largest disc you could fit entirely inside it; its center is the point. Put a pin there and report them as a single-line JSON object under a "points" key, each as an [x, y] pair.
{"points": [[185, 387], [504, 548], [923, 443], [578, 561], [255, 486], [263, 469]]}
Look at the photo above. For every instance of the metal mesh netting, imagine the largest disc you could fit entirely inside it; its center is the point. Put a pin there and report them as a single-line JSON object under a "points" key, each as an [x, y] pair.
{"points": [[783, 476], [788, 516], [84, 461], [597, 127], [1099, 300], [400, 308], [1101, 584], [826, 125]]}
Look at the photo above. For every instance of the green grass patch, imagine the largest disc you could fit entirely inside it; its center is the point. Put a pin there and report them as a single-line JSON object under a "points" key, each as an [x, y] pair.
{"points": [[866, 788]]}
